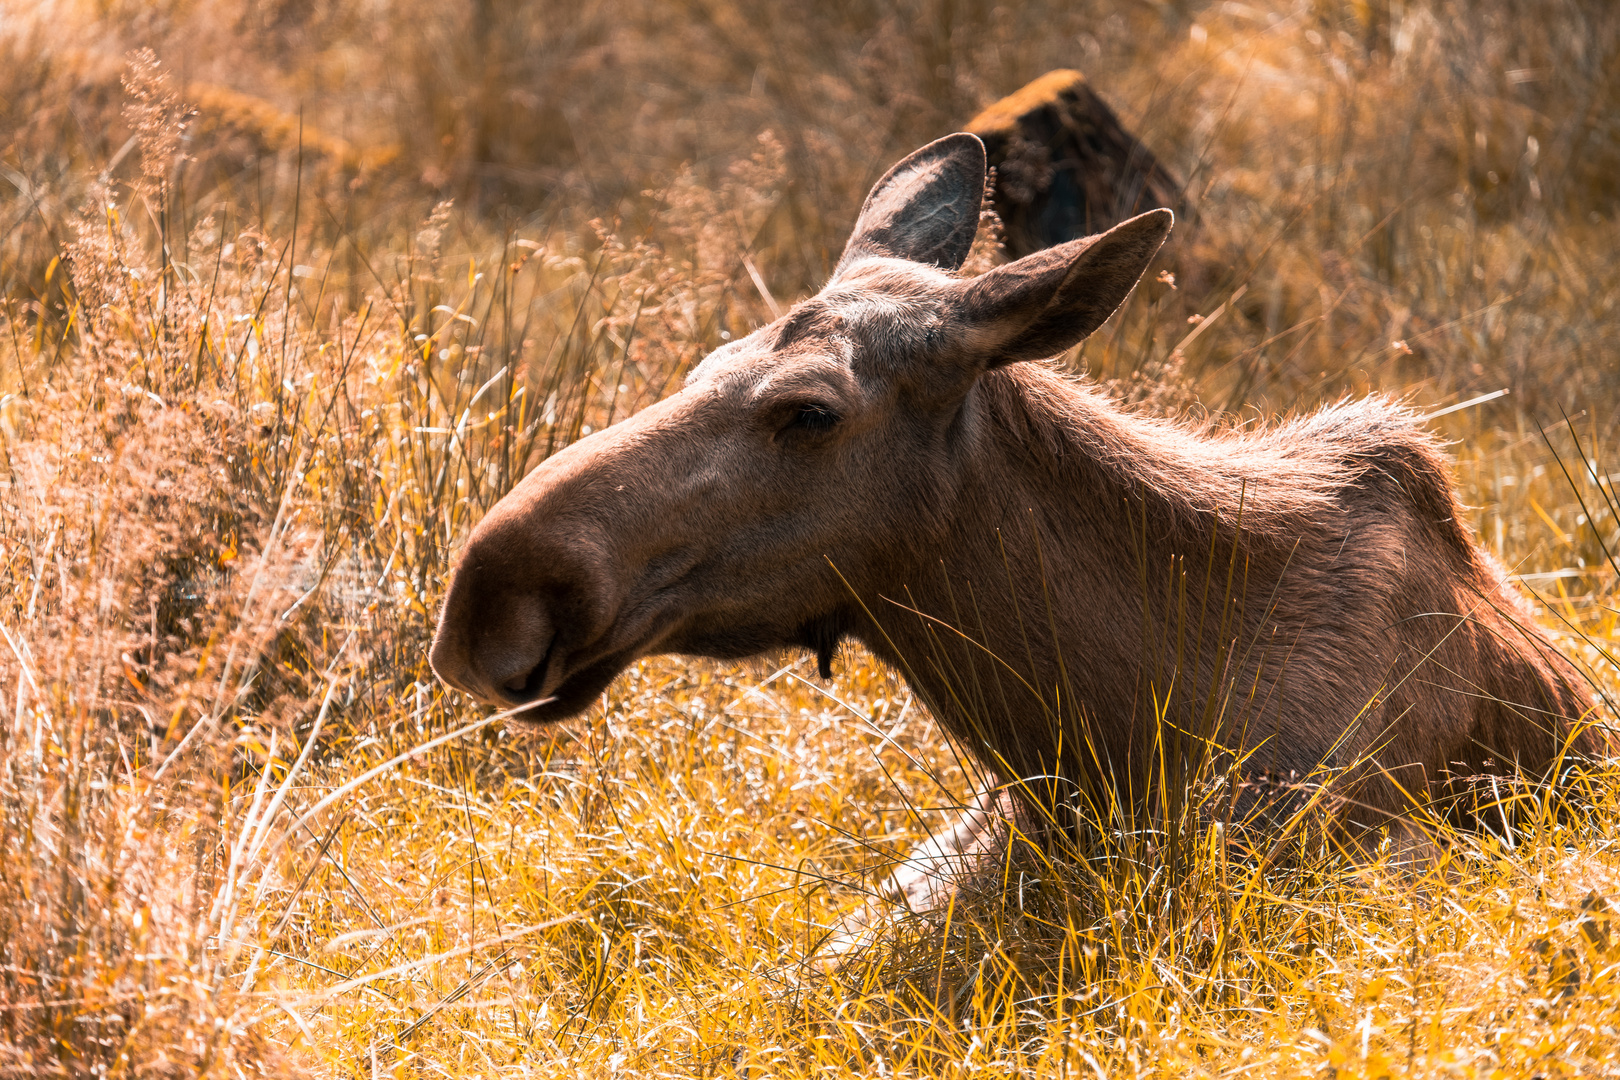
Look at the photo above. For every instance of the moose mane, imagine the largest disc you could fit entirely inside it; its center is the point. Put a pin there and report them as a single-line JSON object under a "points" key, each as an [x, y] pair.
{"points": [[1284, 478]]}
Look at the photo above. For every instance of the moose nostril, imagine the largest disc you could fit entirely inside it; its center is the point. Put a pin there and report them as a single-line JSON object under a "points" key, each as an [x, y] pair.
{"points": [[526, 686]]}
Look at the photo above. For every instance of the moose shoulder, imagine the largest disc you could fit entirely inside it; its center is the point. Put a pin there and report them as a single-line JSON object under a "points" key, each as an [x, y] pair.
{"points": [[885, 461]]}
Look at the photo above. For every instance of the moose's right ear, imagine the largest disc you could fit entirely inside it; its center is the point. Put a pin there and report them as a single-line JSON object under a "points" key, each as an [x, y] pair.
{"points": [[1046, 302], [925, 209]]}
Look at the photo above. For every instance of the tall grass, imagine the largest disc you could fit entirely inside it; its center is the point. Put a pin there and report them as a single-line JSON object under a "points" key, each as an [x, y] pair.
{"points": [[291, 302]]}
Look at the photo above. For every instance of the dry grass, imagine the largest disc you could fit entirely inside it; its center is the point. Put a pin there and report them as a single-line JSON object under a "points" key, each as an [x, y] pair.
{"points": [[258, 377]]}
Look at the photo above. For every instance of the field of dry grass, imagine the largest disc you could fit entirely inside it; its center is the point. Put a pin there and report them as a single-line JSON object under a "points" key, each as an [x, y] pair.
{"points": [[291, 299]]}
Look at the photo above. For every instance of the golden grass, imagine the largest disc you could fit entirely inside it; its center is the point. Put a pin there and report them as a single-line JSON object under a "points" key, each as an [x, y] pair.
{"points": [[250, 405]]}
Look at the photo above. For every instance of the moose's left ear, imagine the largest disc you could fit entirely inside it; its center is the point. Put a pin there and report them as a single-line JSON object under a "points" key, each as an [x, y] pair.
{"points": [[1046, 302], [925, 209]]}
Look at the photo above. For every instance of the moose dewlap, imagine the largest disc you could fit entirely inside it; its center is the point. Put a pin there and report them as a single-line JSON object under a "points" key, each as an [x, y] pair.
{"points": [[1056, 577]]}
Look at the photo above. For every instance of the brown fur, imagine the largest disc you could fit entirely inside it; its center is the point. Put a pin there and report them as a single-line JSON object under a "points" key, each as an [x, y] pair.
{"points": [[1046, 569], [1365, 624]]}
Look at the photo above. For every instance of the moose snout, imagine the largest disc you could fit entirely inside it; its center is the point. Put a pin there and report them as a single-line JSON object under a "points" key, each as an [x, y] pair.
{"points": [[534, 608]]}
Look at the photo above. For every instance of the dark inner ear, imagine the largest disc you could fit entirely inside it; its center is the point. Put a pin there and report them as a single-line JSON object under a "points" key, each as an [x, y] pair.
{"points": [[1049, 301], [925, 209]]}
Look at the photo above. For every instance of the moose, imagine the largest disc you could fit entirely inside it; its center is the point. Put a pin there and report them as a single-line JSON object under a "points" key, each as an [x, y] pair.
{"points": [[893, 461]]}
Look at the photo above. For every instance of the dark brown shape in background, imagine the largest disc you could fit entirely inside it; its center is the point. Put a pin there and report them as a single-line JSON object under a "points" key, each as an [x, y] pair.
{"points": [[1065, 166]]}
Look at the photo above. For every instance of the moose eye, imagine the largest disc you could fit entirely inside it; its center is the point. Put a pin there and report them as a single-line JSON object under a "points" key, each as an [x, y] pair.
{"points": [[812, 416]]}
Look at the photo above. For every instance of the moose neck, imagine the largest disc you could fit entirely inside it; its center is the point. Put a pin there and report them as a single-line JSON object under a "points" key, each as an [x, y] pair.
{"points": [[1087, 560]]}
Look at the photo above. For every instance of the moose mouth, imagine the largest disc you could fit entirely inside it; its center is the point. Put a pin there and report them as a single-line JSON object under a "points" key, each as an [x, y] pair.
{"points": [[582, 687], [573, 695]]}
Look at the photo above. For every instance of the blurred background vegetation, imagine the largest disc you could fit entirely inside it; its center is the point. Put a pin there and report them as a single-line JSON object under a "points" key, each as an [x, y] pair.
{"points": [[291, 292], [1374, 149]]}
